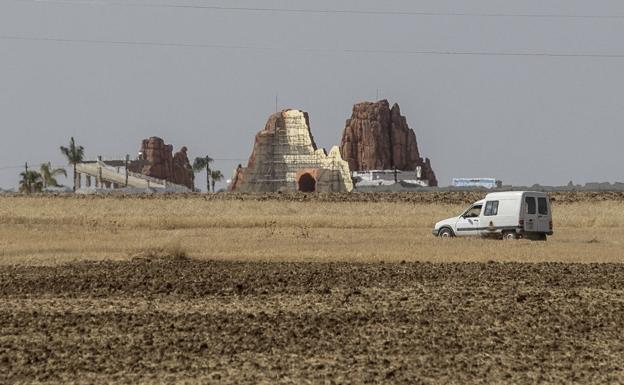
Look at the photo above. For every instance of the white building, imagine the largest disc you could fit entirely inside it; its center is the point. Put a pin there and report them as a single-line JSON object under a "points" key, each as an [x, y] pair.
{"points": [[389, 177], [488, 183]]}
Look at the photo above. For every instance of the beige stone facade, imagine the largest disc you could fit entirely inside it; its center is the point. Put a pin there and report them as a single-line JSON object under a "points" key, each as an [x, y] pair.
{"points": [[284, 152]]}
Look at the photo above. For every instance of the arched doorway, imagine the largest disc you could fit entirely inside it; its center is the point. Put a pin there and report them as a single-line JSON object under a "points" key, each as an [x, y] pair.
{"points": [[306, 183]]}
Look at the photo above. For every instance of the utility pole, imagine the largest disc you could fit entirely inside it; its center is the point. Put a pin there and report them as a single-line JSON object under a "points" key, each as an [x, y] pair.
{"points": [[27, 183], [45, 182], [127, 162], [99, 163], [208, 170], [276, 102], [377, 98]]}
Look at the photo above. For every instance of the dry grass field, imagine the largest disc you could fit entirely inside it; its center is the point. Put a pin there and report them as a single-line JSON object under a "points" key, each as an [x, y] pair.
{"points": [[304, 290], [46, 231]]}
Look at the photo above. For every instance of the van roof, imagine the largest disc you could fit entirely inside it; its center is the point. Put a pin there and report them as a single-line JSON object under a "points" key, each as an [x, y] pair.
{"points": [[513, 194]]}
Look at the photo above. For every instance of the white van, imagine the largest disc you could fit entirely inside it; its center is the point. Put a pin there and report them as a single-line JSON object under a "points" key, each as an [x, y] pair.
{"points": [[507, 215]]}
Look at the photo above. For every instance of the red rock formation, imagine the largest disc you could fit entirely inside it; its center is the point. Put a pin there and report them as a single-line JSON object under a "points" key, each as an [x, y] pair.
{"points": [[238, 179], [160, 156], [182, 169], [379, 138], [163, 165], [427, 173]]}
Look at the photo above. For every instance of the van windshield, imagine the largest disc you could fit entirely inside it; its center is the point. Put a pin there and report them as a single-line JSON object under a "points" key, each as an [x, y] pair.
{"points": [[473, 212]]}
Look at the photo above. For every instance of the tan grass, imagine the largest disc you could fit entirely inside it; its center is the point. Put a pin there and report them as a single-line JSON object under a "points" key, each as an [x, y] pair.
{"points": [[47, 230]]}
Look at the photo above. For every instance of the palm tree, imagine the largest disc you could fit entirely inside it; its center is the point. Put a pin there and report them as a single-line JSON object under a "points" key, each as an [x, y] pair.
{"points": [[74, 155], [216, 177], [49, 174], [201, 164], [31, 182]]}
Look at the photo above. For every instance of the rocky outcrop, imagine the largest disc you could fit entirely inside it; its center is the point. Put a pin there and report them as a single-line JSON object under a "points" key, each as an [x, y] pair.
{"points": [[182, 169], [162, 164], [237, 180], [429, 174], [378, 137], [284, 152], [160, 158]]}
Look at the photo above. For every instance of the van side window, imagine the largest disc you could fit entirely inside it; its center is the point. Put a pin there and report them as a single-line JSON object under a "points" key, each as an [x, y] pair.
{"points": [[491, 209], [530, 205], [542, 206]]}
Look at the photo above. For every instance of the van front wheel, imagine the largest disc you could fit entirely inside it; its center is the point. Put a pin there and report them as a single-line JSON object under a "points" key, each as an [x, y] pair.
{"points": [[446, 233], [510, 235]]}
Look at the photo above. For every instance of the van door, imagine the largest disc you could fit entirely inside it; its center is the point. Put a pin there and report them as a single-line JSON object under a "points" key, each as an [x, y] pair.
{"points": [[468, 223], [530, 213], [543, 215]]}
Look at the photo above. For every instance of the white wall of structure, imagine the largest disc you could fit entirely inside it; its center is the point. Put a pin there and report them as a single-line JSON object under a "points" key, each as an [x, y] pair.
{"points": [[283, 149]]}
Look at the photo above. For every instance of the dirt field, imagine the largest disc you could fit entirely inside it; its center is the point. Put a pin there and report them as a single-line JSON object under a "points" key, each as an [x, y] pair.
{"points": [[301, 290], [230, 323]]}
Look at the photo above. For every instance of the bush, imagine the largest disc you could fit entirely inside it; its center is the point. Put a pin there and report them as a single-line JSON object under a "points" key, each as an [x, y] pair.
{"points": [[173, 251]]}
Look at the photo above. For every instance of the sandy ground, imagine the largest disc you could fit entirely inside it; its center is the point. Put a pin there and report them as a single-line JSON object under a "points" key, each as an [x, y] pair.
{"points": [[188, 321]]}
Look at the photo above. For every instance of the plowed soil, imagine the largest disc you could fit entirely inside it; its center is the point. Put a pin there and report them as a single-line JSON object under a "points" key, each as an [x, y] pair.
{"points": [[188, 321]]}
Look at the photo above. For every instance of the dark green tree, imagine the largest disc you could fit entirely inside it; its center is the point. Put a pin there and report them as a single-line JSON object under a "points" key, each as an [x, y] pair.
{"points": [[74, 155], [203, 163], [216, 176], [31, 182], [49, 174]]}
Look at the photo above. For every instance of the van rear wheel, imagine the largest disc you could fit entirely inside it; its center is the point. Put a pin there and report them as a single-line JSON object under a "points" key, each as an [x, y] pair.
{"points": [[510, 235]]}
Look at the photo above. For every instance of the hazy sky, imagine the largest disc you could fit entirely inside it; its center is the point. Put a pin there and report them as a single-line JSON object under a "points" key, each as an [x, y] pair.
{"points": [[522, 119]]}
